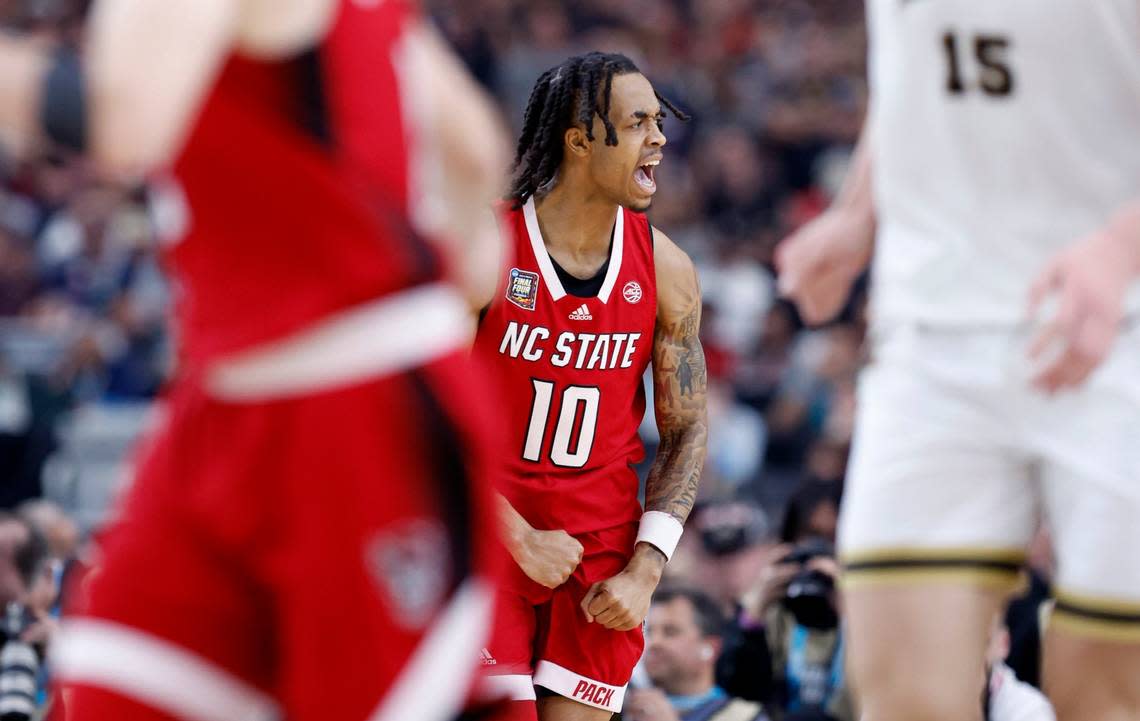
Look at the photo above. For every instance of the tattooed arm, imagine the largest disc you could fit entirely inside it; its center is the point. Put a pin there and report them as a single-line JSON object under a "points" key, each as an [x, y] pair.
{"points": [[679, 385], [679, 381]]}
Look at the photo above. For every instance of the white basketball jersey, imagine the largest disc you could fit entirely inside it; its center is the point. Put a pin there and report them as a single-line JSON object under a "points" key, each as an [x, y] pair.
{"points": [[1002, 130]]}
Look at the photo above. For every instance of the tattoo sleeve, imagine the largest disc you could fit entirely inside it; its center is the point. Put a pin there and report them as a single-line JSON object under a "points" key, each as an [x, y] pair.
{"points": [[680, 388]]}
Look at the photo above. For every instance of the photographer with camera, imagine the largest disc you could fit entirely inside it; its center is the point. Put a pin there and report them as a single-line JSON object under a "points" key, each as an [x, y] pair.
{"points": [[788, 652], [22, 556]]}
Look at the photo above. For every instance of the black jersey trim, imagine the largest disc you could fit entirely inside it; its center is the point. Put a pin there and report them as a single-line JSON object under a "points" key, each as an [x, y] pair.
{"points": [[1095, 614], [584, 287], [908, 564]]}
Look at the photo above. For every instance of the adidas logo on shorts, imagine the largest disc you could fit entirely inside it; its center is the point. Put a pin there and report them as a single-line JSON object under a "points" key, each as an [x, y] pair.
{"points": [[486, 658], [581, 313]]}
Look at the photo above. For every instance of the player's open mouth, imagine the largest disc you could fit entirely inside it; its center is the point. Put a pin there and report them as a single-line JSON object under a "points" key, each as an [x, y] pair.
{"points": [[643, 176]]}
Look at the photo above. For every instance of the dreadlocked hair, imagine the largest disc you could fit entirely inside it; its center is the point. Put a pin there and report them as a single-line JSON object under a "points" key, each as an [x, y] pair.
{"points": [[574, 91]]}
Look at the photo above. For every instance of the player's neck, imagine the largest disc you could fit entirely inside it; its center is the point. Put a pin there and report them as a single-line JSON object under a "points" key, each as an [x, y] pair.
{"points": [[574, 223]]}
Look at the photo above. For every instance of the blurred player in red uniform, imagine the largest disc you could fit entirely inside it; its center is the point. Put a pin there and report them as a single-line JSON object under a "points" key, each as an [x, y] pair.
{"points": [[593, 296], [304, 538]]}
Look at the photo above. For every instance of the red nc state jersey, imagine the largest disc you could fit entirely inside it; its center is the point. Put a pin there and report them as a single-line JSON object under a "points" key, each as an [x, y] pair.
{"points": [[571, 371], [296, 176]]}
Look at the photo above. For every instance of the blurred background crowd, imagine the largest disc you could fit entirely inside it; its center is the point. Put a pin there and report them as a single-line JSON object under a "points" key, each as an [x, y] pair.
{"points": [[776, 90]]}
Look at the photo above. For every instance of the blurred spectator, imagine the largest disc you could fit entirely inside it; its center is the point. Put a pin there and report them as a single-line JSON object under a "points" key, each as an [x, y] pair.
{"points": [[777, 94], [22, 551], [22, 558], [683, 640], [57, 528], [800, 618], [813, 510], [788, 649], [720, 358], [760, 373], [62, 535], [45, 601], [29, 409], [816, 395], [736, 538], [725, 552], [736, 442], [20, 282]]}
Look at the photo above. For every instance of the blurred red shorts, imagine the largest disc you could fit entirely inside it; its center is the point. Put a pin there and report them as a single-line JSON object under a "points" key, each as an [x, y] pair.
{"points": [[318, 556]]}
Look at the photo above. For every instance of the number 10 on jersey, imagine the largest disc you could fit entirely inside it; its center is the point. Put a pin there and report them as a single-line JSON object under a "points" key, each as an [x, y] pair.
{"points": [[574, 428]]}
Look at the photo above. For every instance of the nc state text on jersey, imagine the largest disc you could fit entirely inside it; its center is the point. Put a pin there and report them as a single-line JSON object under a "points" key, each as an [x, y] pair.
{"points": [[587, 351]]}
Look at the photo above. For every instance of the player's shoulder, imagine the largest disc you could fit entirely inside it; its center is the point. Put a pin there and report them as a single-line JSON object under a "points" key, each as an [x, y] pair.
{"points": [[671, 262], [677, 285]]}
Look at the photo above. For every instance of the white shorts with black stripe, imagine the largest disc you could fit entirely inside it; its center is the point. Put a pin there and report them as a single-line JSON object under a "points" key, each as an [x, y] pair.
{"points": [[957, 460]]}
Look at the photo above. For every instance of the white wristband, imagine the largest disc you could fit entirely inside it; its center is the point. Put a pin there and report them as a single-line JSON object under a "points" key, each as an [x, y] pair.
{"points": [[661, 531]]}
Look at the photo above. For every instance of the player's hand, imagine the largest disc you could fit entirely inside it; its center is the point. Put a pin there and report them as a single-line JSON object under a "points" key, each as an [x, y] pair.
{"points": [[41, 632], [771, 583], [1089, 280], [548, 557], [621, 603], [648, 704], [819, 263]]}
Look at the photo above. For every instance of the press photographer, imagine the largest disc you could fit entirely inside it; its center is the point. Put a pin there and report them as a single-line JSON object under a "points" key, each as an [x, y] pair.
{"points": [[22, 556], [788, 649], [798, 610]]}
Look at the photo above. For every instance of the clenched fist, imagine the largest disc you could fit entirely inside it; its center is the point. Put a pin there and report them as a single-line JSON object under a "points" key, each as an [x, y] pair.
{"points": [[621, 603], [547, 557]]}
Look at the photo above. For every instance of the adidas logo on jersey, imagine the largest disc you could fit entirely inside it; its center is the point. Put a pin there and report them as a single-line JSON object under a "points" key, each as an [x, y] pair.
{"points": [[581, 313], [486, 658]]}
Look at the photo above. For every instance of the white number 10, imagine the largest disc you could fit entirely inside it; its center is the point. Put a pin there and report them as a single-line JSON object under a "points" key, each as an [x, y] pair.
{"points": [[560, 454]]}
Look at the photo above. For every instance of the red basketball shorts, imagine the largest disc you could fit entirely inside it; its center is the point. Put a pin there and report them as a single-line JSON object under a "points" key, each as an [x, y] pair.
{"points": [[313, 557], [542, 638]]}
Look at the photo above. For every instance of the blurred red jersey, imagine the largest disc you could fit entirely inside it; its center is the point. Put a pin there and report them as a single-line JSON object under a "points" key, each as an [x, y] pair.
{"points": [[571, 370], [312, 513], [297, 176]]}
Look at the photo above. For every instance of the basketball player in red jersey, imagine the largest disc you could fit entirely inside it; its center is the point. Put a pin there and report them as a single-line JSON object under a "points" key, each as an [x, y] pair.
{"points": [[594, 294], [300, 541]]}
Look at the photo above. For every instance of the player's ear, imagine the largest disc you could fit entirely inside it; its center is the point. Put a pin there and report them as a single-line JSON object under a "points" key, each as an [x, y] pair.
{"points": [[576, 141]]}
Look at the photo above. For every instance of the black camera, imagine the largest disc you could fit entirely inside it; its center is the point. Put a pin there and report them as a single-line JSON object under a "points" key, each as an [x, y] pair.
{"points": [[810, 592], [17, 619], [19, 666]]}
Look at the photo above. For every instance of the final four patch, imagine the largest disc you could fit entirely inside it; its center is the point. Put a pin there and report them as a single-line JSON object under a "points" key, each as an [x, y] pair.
{"points": [[522, 288]]}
